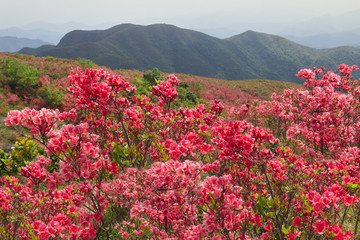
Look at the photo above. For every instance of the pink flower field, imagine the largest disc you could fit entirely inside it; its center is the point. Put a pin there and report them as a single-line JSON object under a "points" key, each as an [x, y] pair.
{"points": [[116, 164]]}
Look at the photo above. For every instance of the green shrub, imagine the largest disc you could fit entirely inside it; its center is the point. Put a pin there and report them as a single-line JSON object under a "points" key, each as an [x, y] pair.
{"points": [[86, 63], [153, 76], [19, 75], [51, 95], [24, 151]]}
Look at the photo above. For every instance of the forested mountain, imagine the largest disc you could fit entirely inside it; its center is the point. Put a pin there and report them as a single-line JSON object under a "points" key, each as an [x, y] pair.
{"points": [[172, 49]]}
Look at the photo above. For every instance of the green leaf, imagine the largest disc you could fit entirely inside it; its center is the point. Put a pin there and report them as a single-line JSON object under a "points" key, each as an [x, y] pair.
{"points": [[286, 230], [352, 185], [260, 205]]}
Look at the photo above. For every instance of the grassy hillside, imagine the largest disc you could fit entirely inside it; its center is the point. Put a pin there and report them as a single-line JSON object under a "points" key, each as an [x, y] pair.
{"points": [[36, 82], [250, 55], [235, 93]]}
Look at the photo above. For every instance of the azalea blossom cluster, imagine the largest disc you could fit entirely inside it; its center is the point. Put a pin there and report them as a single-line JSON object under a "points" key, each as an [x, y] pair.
{"points": [[133, 168]]}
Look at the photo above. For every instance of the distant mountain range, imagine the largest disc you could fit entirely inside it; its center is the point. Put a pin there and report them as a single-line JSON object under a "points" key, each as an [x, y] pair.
{"points": [[47, 32], [245, 56], [329, 40], [49, 36], [14, 44], [329, 24]]}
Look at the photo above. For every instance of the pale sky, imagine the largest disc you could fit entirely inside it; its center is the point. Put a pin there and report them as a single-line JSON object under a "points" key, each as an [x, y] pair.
{"points": [[266, 15]]}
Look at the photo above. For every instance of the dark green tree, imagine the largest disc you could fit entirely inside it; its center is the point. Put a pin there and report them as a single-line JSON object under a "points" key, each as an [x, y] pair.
{"points": [[153, 76]]}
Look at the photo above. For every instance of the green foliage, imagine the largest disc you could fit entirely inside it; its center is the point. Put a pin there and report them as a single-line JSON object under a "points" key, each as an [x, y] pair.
{"points": [[18, 75], [184, 85], [142, 87], [24, 151], [50, 58], [186, 98], [8, 135], [86, 63], [23, 80], [153, 76], [51, 95]]}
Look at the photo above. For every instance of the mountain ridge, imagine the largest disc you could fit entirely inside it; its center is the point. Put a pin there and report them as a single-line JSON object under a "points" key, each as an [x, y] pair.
{"points": [[173, 49]]}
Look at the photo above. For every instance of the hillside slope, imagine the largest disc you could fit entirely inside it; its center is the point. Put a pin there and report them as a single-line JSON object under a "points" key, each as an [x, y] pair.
{"points": [[34, 82]]}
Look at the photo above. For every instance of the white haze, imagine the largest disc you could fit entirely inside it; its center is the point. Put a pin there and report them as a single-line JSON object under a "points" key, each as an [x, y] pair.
{"points": [[220, 18]]}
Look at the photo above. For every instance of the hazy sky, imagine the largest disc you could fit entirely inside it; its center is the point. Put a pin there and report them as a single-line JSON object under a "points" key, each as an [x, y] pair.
{"points": [[196, 14]]}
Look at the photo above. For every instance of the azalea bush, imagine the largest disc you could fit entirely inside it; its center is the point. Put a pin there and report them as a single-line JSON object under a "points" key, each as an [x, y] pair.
{"points": [[126, 166]]}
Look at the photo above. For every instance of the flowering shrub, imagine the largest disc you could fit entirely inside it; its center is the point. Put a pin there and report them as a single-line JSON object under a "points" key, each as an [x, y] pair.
{"points": [[132, 168]]}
